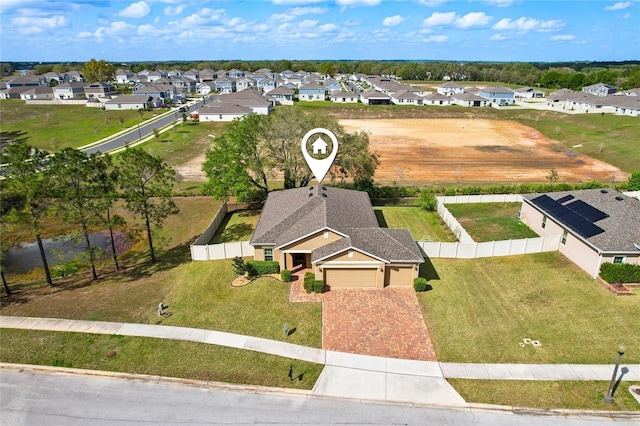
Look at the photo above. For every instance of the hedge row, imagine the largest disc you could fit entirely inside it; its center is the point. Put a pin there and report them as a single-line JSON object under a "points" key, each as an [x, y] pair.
{"points": [[620, 273], [262, 267]]}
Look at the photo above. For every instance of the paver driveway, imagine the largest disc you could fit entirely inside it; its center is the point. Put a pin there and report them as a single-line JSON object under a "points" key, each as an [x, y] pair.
{"points": [[381, 322]]}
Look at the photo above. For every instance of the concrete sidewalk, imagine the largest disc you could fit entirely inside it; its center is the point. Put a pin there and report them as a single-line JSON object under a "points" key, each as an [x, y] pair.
{"points": [[349, 375]]}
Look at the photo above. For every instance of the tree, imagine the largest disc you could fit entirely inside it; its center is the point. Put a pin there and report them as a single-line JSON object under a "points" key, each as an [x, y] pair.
{"points": [[98, 71], [427, 201], [28, 179], [553, 175], [146, 183], [77, 197], [252, 148], [634, 181]]}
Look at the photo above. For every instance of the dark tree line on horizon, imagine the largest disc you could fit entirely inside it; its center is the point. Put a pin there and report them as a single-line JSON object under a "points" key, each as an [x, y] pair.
{"points": [[571, 75]]}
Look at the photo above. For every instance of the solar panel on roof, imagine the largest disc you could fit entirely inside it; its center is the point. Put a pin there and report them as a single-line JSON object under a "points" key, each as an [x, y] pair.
{"points": [[566, 198], [568, 217], [587, 211]]}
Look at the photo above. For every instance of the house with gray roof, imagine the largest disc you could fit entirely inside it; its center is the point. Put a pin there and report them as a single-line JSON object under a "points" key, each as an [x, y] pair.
{"points": [[469, 100], [223, 112], [498, 95], [595, 225], [130, 102], [334, 233], [282, 95], [343, 97], [375, 98], [600, 89], [311, 92]]}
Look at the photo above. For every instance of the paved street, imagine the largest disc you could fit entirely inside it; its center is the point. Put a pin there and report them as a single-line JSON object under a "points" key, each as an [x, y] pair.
{"points": [[39, 398]]}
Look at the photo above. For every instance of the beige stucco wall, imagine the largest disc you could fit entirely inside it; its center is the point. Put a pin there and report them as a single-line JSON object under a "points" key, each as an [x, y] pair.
{"points": [[312, 242], [356, 257], [400, 276]]}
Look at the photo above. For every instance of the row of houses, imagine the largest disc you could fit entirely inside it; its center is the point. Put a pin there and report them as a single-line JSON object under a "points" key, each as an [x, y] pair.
{"points": [[622, 103]]}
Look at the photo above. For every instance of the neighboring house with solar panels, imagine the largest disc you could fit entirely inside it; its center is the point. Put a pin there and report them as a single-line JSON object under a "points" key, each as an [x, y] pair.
{"points": [[597, 225]]}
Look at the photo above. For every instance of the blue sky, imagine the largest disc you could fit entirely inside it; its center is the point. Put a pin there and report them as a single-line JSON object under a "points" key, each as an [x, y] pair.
{"points": [[474, 30]]}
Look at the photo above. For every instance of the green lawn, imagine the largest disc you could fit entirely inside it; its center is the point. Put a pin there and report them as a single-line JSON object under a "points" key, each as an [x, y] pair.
{"points": [[491, 221], [577, 395], [480, 310], [236, 226], [180, 144], [158, 357], [426, 226], [53, 127]]}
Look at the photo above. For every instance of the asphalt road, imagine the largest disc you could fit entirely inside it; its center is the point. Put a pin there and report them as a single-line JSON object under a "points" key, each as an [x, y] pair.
{"points": [[145, 129], [38, 398]]}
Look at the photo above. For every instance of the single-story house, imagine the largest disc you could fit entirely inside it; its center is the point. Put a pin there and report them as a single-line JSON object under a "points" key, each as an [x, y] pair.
{"points": [[14, 92], [129, 102], [469, 100], [436, 99], [249, 98], [343, 97], [528, 93], [69, 90], [595, 225], [311, 92], [449, 89], [498, 95], [99, 90], [282, 95], [223, 112], [40, 92], [406, 97], [375, 98], [334, 233]]}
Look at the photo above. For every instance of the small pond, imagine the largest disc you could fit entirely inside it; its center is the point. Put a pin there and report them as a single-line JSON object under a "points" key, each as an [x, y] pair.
{"points": [[25, 257]]}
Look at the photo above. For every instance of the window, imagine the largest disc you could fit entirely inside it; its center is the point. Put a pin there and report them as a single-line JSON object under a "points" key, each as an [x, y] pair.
{"points": [[544, 222], [618, 260], [565, 234], [268, 254]]}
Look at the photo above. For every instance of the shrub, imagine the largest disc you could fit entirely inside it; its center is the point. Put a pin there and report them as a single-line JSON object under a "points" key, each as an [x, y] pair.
{"points": [[427, 201], [309, 279], [285, 275], [620, 273], [64, 269], [238, 265], [318, 286], [262, 267], [420, 284]]}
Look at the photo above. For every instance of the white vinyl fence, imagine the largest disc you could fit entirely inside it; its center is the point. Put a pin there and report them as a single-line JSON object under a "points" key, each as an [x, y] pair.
{"points": [[490, 248]]}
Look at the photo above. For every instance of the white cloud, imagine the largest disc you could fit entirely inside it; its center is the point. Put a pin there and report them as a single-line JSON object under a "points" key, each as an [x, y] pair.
{"points": [[135, 10], [146, 30], [392, 21], [173, 11], [621, 5], [436, 39], [472, 19], [499, 3], [563, 37], [308, 23], [438, 19], [36, 24], [498, 37], [432, 2], [300, 11], [115, 29], [292, 2], [203, 17], [528, 24], [328, 28], [357, 2]]}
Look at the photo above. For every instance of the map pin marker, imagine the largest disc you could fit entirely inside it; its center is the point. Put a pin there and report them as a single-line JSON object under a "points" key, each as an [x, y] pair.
{"points": [[319, 167]]}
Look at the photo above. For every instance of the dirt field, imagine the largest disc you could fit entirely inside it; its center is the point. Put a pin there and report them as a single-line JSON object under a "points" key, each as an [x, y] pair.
{"points": [[472, 150], [462, 151]]}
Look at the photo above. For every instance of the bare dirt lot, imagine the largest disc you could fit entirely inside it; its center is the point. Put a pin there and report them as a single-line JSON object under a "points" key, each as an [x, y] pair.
{"points": [[472, 150]]}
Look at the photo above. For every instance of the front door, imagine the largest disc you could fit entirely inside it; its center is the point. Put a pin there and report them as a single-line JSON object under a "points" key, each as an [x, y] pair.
{"points": [[299, 259]]}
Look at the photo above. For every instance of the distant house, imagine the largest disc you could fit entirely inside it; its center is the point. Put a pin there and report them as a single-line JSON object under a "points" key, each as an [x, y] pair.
{"points": [[14, 92], [235, 73], [193, 74], [595, 225], [166, 92], [206, 87], [123, 76], [311, 92], [223, 112], [449, 89], [23, 82], [75, 76], [225, 85], [405, 97], [331, 85], [37, 93], [334, 233], [129, 102], [207, 74], [436, 99], [244, 83], [469, 100], [528, 93], [99, 90], [266, 84], [69, 90], [343, 97], [249, 98], [600, 89], [281, 95], [498, 95], [375, 98]]}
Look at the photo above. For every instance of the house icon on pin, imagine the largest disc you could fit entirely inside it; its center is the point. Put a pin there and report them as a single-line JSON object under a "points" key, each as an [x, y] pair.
{"points": [[319, 146]]}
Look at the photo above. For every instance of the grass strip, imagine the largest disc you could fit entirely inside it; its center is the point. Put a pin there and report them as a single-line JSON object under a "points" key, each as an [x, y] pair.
{"points": [[142, 355], [577, 395], [424, 226], [491, 221]]}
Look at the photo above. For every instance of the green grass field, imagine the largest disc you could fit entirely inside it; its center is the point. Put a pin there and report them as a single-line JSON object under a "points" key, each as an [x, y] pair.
{"points": [[426, 226], [236, 226], [491, 221], [140, 355], [481, 309]]}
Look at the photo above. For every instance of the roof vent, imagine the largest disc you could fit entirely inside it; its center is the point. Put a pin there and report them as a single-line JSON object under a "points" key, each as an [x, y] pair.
{"points": [[604, 191], [619, 198], [310, 194], [311, 188], [324, 195], [324, 188]]}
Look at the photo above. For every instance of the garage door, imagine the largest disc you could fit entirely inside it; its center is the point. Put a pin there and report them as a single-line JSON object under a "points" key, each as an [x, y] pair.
{"points": [[399, 276], [343, 278]]}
